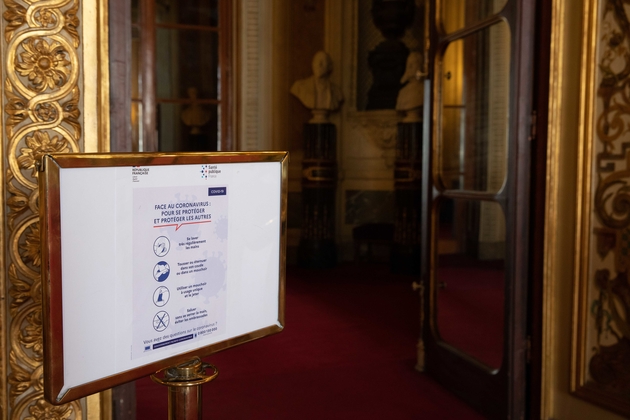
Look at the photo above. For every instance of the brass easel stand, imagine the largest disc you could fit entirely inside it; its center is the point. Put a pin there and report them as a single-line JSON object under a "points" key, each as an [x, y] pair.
{"points": [[184, 388]]}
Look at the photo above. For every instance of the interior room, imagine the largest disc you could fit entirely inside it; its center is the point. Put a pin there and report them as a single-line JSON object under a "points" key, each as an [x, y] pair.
{"points": [[457, 207], [358, 177]]}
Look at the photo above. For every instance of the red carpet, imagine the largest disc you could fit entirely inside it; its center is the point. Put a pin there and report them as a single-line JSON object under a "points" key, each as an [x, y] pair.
{"points": [[470, 307], [347, 352]]}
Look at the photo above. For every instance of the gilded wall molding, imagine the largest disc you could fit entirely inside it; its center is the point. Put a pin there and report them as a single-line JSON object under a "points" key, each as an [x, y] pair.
{"points": [[552, 211], [601, 343], [42, 103]]}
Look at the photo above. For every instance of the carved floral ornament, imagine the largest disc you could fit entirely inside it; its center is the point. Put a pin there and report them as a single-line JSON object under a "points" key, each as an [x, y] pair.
{"points": [[45, 65], [41, 97], [38, 145], [41, 410], [379, 127]]}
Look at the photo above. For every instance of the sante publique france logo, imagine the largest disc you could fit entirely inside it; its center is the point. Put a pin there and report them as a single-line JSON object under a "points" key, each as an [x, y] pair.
{"points": [[209, 171]]}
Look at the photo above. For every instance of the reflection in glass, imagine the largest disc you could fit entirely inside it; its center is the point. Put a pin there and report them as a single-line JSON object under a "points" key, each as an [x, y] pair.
{"points": [[179, 42], [187, 12], [135, 11], [458, 14], [187, 59], [474, 111], [136, 79], [470, 275], [189, 127], [136, 127]]}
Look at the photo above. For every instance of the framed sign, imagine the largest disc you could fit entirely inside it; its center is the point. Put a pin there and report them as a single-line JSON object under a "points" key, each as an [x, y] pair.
{"points": [[151, 259]]}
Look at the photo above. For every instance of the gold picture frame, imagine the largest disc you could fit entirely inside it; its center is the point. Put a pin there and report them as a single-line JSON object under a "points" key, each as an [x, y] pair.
{"points": [[50, 221]]}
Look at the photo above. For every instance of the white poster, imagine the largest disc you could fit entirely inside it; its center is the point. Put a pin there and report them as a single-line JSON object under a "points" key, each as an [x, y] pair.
{"points": [[180, 242], [188, 256]]}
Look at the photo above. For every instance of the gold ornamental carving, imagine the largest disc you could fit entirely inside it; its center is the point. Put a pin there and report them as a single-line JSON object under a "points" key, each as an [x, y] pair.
{"points": [[610, 304], [41, 115], [601, 373]]}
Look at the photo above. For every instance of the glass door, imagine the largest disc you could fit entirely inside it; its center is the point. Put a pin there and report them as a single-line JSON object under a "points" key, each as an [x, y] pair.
{"points": [[477, 201], [180, 75]]}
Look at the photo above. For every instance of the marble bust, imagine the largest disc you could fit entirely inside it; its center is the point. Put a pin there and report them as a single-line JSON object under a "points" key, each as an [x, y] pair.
{"points": [[317, 92], [411, 95], [195, 116]]}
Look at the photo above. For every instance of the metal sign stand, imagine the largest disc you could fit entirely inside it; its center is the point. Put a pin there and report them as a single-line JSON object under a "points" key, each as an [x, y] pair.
{"points": [[184, 388]]}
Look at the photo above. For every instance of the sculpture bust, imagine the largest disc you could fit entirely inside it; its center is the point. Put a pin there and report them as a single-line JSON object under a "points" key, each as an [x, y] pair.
{"points": [[317, 92], [411, 96], [195, 116]]}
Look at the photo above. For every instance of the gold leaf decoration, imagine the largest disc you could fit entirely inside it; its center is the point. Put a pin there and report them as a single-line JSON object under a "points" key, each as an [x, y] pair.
{"points": [[43, 410], [45, 17], [45, 65], [42, 70], [31, 336], [46, 112], [38, 145], [19, 379], [71, 112], [16, 108], [72, 23], [15, 15], [18, 201], [30, 250], [20, 291]]}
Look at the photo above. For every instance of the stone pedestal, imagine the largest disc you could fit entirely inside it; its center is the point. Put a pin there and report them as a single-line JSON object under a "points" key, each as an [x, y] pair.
{"points": [[319, 182], [408, 199]]}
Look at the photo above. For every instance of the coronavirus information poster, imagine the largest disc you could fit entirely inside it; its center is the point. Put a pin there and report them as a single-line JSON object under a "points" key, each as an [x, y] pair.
{"points": [[179, 266], [151, 259]]}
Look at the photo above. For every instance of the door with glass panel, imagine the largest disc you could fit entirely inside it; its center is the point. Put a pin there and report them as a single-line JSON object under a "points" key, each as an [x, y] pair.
{"points": [[181, 75], [476, 212]]}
